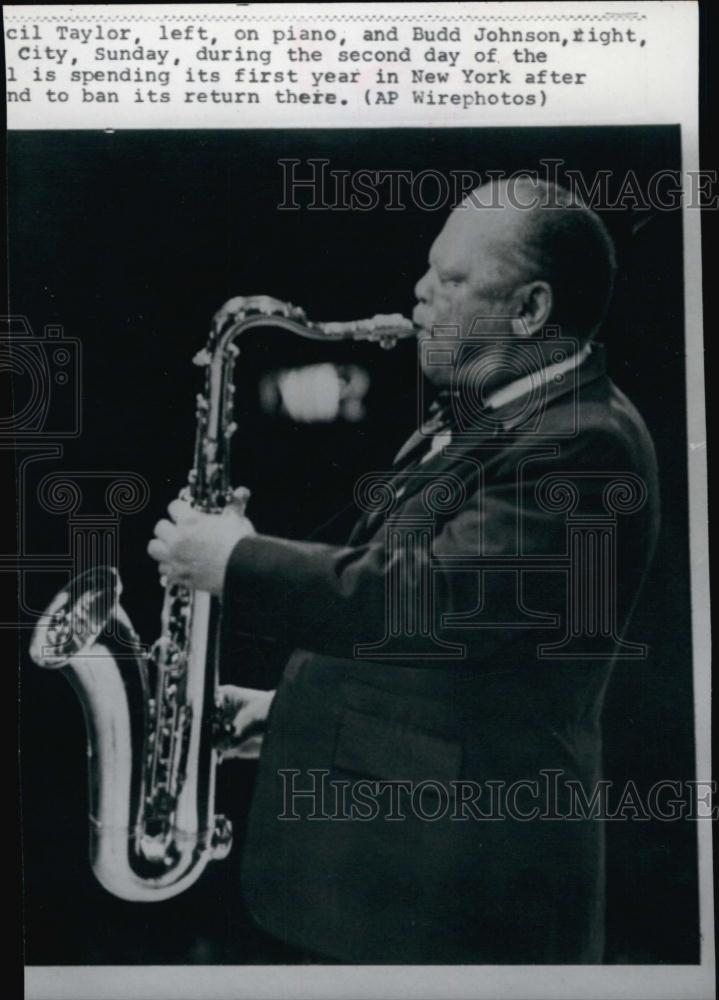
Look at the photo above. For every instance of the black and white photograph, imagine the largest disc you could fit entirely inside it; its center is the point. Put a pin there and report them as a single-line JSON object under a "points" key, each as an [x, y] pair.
{"points": [[354, 551]]}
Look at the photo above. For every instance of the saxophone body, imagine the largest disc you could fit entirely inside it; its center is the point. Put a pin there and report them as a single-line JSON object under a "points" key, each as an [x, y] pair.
{"points": [[151, 716]]}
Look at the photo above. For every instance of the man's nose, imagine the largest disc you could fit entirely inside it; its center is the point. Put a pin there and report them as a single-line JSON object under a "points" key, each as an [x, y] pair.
{"points": [[422, 289]]}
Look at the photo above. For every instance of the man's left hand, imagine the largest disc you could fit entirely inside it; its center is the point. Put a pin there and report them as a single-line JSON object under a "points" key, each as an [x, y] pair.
{"points": [[193, 547]]}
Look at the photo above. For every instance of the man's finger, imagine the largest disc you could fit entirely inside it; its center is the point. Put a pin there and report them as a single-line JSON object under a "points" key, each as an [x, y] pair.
{"points": [[231, 693], [180, 509], [248, 749], [235, 722], [157, 549], [165, 530], [243, 720]]}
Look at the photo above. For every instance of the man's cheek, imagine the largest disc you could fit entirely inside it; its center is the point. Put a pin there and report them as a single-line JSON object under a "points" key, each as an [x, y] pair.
{"points": [[445, 310]]}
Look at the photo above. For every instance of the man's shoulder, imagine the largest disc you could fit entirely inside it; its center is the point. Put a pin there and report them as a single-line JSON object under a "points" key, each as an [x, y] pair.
{"points": [[597, 425], [606, 413]]}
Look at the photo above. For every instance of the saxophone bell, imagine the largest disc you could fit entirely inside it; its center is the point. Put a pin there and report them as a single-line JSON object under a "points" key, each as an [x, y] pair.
{"points": [[77, 616], [153, 828]]}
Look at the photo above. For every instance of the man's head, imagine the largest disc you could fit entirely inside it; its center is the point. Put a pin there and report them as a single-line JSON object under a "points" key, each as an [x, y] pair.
{"points": [[514, 256]]}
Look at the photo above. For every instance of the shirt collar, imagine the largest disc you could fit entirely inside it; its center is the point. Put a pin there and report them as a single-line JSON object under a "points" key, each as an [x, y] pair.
{"points": [[554, 381], [543, 376]]}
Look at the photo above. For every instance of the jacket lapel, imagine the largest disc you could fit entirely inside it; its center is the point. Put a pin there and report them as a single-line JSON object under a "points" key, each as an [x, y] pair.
{"points": [[409, 474]]}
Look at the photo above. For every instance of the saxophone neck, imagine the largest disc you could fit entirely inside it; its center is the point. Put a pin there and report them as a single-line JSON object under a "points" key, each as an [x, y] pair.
{"points": [[209, 484], [241, 313]]}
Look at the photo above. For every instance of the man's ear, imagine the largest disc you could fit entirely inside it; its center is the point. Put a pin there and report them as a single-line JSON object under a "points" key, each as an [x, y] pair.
{"points": [[534, 303]]}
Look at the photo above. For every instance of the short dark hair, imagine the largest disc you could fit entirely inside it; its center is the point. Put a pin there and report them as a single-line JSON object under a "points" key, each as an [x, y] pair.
{"points": [[566, 244]]}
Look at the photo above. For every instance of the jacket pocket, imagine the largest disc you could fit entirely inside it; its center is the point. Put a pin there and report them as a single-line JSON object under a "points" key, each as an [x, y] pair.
{"points": [[394, 751]]}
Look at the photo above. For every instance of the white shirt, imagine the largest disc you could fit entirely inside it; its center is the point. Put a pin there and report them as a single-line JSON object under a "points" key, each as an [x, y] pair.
{"points": [[521, 386]]}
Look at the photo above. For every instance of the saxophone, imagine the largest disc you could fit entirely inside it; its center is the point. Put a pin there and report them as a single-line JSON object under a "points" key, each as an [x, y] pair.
{"points": [[152, 716]]}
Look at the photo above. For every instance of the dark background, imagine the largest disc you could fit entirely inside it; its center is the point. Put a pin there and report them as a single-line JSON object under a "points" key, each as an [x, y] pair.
{"points": [[131, 241]]}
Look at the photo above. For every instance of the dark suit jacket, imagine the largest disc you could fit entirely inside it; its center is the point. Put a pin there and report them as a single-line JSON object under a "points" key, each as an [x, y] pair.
{"points": [[461, 888]]}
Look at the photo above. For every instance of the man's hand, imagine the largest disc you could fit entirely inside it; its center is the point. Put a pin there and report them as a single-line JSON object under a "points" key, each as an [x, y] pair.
{"points": [[244, 716], [193, 547]]}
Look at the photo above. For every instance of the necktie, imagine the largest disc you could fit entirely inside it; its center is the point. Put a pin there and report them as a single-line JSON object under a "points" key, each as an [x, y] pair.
{"points": [[419, 444], [407, 459]]}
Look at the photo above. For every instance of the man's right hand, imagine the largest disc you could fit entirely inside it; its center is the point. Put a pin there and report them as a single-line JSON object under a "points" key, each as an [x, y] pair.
{"points": [[243, 712]]}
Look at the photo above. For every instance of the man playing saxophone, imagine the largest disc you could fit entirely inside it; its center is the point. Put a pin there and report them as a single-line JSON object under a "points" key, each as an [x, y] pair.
{"points": [[485, 698]]}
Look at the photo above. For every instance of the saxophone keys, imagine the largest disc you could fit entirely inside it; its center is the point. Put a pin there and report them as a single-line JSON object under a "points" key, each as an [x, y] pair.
{"points": [[202, 359], [265, 304], [221, 840]]}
